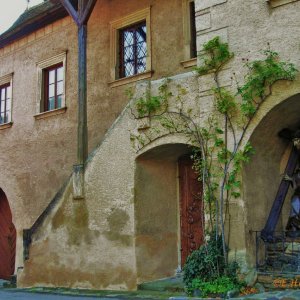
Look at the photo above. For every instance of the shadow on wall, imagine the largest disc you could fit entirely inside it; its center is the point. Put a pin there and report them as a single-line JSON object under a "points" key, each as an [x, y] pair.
{"points": [[262, 176], [156, 212]]}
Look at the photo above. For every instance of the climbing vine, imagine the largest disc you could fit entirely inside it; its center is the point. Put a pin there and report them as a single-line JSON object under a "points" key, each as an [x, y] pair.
{"points": [[218, 148]]}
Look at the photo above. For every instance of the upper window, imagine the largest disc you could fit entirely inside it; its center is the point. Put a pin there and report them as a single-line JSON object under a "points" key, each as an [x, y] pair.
{"points": [[6, 83], [132, 50], [193, 32], [53, 87], [189, 33], [51, 84], [5, 103]]}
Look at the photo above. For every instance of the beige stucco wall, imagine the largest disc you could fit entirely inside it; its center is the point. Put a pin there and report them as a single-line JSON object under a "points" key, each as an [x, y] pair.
{"points": [[249, 27], [102, 231], [38, 154]]}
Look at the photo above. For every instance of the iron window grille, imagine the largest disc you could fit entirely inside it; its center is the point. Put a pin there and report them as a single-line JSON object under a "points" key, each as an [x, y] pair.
{"points": [[53, 87], [5, 103], [133, 50]]}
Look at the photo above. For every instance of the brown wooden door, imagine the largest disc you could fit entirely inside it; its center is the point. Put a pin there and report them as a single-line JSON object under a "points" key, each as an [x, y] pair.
{"points": [[7, 239], [191, 208]]}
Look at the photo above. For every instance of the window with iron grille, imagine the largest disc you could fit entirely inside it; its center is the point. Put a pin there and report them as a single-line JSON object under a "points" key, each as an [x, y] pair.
{"points": [[5, 103], [132, 50], [53, 86]]}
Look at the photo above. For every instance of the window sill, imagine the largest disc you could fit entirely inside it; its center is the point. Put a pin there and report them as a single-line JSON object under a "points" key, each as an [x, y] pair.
{"points": [[189, 63], [130, 79], [50, 113], [5, 125], [275, 3]]}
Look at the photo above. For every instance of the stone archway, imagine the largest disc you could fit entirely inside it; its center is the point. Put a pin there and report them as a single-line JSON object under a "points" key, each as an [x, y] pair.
{"points": [[7, 239], [262, 176], [157, 211]]}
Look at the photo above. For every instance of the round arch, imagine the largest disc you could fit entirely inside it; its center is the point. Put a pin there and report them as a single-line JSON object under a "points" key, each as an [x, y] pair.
{"points": [[158, 212], [7, 239], [262, 175]]}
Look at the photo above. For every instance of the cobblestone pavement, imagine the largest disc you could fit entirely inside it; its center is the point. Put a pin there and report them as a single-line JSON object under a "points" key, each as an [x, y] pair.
{"points": [[276, 295], [22, 295], [13, 295]]}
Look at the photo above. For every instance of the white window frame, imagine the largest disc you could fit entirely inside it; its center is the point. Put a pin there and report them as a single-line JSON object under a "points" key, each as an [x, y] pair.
{"points": [[41, 66], [8, 79]]}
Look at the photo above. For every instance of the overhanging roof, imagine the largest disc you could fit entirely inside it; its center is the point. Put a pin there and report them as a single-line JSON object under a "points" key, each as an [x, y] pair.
{"points": [[32, 20]]}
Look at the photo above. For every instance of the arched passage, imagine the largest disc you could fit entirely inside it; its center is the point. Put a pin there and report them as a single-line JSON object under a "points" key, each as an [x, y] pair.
{"points": [[167, 196], [7, 239], [262, 176]]}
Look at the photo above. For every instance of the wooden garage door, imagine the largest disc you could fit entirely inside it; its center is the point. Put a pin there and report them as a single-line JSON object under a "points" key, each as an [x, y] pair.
{"points": [[7, 239], [191, 208]]}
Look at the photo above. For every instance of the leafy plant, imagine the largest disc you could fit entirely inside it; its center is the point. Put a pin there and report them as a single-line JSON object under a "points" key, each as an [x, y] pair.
{"points": [[217, 287], [205, 269], [216, 55]]}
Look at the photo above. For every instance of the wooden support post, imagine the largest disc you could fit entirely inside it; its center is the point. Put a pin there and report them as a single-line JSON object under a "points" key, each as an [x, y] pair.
{"points": [[81, 17], [268, 231], [82, 148]]}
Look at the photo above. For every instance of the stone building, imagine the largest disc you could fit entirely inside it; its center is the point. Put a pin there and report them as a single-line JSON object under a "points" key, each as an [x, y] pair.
{"points": [[127, 228]]}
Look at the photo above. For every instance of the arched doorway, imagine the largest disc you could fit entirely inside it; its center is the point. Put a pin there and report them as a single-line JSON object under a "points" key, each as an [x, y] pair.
{"points": [[167, 211], [263, 174], [7, 239]]}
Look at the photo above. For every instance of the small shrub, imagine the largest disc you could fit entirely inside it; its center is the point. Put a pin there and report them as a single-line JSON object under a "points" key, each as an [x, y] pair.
{"points": [[219, 286], [205, 269]]}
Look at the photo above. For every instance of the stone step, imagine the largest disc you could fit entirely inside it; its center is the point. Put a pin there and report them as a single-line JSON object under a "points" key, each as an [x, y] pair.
{"points": [[172, 284]]}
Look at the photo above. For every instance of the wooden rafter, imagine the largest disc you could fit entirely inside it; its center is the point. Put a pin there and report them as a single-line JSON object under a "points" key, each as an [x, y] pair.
{"points": [[70, 9], [87, 11], [85, 8]]}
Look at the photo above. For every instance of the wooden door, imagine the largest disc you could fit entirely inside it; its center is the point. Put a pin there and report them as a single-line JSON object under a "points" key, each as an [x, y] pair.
{"points": [[7, 239], [191, 208]]}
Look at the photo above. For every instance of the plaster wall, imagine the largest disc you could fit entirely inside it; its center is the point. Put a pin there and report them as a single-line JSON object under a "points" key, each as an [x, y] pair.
{"points": [[125, 231], [249, 27], [37, 155], [105, 225]]}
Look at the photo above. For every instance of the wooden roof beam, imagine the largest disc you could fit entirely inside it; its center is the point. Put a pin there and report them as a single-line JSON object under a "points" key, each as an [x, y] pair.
{"points": [[87, 11], [85, 8], [72, 12]]}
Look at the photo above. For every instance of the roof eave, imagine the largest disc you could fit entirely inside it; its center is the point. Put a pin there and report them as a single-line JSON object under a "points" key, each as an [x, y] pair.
{"points": [[56, 13]]}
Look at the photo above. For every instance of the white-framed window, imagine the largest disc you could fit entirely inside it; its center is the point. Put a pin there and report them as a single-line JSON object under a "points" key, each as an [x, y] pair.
{"points": [[51, 89], [130, 45], [6, 96]]}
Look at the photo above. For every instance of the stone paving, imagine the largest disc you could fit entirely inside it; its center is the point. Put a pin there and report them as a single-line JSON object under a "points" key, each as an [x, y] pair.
{"points": [[275, 295]]}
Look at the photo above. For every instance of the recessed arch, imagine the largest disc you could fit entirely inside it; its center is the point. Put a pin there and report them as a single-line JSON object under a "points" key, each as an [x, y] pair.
{"points": [[262, 175], [7, 239], [157, 210]]}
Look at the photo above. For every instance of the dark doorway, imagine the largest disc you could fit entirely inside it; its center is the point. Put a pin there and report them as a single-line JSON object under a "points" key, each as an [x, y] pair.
{"points": [[191, 208], [7, 239]]}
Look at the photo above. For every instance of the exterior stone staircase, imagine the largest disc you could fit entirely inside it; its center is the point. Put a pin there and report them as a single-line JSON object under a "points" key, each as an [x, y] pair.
{"points": [[281, 268]]}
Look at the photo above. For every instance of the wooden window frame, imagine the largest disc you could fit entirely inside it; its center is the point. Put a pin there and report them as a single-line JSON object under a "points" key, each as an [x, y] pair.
{"points": [[115, 27], [122, 50], [7, 81], [42, 68]]}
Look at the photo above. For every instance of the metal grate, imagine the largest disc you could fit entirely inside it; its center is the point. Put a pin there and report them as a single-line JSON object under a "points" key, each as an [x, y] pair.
{"points": [[281, 254], [133, 50]]}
